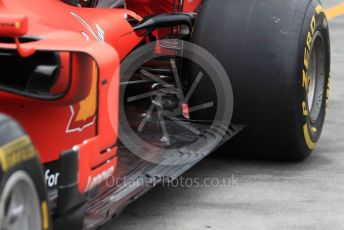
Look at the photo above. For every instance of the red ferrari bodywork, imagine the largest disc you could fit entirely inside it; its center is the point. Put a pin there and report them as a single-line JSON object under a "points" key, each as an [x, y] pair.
{"points": [[150, 7], [90, 44]]}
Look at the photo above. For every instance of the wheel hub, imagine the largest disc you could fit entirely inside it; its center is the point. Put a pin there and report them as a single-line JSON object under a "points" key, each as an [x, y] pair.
{"points": [[19, 204], [316, 77]]}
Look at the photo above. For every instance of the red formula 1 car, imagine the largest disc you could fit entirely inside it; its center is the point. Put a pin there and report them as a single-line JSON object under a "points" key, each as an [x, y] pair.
{"points": [[105, 99]]}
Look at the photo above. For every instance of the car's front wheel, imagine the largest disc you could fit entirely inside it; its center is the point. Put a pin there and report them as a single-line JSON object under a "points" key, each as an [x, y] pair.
{"points": [[277, 56]]}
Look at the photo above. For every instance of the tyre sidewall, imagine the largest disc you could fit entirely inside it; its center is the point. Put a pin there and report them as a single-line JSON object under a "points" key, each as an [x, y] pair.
{"points": [[310, 132], [31, 166]]}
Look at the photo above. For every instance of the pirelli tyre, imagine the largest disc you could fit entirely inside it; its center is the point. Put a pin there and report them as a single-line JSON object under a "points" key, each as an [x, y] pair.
{"points": [[23, 197], [277, 56]]}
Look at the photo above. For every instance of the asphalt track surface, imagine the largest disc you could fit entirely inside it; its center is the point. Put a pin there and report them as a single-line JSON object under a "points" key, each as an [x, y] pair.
{"points": [[255, 194]]}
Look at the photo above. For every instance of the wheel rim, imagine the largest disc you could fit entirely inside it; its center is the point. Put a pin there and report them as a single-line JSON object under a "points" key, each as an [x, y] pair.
{"points": [[19, 204], [316, 77]]}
